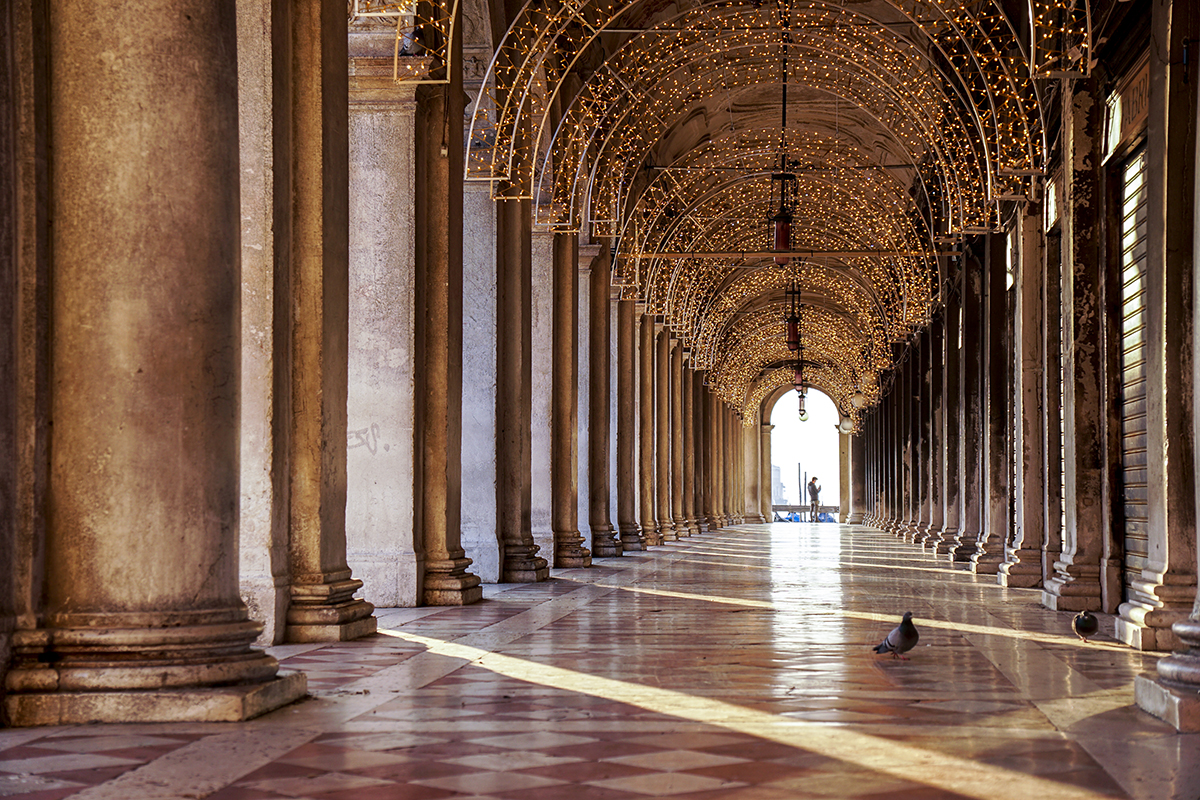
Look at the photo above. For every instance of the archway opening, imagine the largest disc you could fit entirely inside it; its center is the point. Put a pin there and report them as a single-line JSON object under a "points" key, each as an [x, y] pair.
{"points": [[802, 450]]}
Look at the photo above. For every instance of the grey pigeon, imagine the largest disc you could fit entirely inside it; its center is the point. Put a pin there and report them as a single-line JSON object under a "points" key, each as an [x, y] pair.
{"points": [[902, 638], [1085, 624]]}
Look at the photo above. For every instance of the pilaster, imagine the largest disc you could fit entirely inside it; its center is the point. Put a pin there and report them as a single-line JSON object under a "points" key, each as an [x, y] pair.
{"points": [[1022, 565], [606, 540], [1083, 568], [627, 450], [990, 546]]}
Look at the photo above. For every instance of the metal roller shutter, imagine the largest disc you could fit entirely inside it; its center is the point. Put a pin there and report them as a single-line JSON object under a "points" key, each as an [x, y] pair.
{"points": [[1133, 364]]}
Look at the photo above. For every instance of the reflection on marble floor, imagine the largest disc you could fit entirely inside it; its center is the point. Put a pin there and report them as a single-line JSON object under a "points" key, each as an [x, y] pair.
{"points": [[735, 664]]}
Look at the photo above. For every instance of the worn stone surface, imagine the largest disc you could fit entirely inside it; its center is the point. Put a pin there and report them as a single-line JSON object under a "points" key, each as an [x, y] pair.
{"points": [[381, 541], [480, 532]]}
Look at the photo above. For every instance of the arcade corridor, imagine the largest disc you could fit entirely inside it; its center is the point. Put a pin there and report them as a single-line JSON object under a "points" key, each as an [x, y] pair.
{"points": [[735, 664]]}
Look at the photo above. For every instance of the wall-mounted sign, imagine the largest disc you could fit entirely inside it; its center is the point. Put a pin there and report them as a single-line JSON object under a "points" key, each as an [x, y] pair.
{"points": [[1128, 106]]}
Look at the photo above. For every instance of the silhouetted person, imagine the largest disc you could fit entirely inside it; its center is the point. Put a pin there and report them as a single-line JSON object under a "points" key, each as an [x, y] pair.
{"points": [[814, 495]]}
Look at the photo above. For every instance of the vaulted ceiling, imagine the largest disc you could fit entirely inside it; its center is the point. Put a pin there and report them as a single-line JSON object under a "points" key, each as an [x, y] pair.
{"points": [[659, 126]]}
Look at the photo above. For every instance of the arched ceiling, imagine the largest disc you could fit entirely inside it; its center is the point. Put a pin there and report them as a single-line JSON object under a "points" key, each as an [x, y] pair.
{"points": [[658, 126]]}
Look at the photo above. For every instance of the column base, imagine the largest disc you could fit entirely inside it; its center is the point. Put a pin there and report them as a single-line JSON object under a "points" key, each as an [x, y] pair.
{"points": [[945, 540], [447, 583], [756, 519], [1145, 622], [856, 518], [606, 543], [328, 612], [1022, 570], [631, 538], [1177, 706], [1073, 588], [572, 554], [217, 704], [522, 564]]}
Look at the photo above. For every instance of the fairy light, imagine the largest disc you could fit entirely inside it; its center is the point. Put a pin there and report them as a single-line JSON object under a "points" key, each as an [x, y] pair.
{"points": [[968, 124]]}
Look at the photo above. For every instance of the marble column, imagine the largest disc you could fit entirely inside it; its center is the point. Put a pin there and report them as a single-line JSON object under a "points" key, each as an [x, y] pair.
{"points": [[719, 465], [937, 434], [662, 434], [1164, 591], [910, 436], [923, 397], [1084, 577], [1023, 555], [569, 551], [752, 441], [738, 431], [382, 544], [627, 466], [323, 606], [699, 449], [144, 377], [952, 420], [1052, 383], [991, 544], [858, 473], [1173, 694], [647, 443], [689, 451], [439, 295], [520, 562], [711, 454], [606, 540], [766, 487], [971, 402], [844, 477], [675, 379]]}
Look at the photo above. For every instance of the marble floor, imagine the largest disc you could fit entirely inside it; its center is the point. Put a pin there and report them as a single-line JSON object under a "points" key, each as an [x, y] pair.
{"points": [[735, 664]]}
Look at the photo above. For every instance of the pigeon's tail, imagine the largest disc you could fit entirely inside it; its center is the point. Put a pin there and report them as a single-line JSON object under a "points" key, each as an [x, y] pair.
{"points": [[882, 647]]}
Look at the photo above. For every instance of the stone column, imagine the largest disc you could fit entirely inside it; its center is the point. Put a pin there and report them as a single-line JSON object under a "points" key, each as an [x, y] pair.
{"points": [[739, 475], [971, 397], [142, 617], [689, 451], [662, 433], [606, 541], [627, 467], [844, 477], [541, 390], [909, 436], [766, 487], [710, 461], [382, 544], [1164, 592], [858, 473], [675, 379], [753, 474], [569, 551], [923, 398], [952, 421], [1023, 555], [1081, 574], [718, 423], [990, 546], [520, 560], [647, 442], [1174, 693], [1052, 383], [937, 434], [699, 449], [323, 606]]}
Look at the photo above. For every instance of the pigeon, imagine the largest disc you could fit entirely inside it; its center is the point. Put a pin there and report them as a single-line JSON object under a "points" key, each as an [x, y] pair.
{"points": [[902, 638], [1085, 624]]}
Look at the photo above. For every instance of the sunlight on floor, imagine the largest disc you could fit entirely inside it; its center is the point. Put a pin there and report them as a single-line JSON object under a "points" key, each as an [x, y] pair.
{"points": [[938, 770]]}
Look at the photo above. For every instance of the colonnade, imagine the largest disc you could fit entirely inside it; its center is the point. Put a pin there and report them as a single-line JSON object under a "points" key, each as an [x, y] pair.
{"points": [[345, 380]]}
